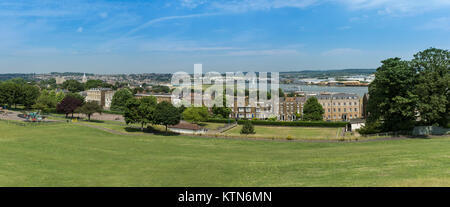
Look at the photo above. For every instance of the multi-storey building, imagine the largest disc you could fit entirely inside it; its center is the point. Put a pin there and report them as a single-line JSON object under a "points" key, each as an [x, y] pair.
{"points": [[337, 107], [290, 107], [103, 96], [340, 106]]}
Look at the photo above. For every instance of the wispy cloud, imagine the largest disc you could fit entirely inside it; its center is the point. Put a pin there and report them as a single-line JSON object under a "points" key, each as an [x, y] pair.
{"points": [[162, 19], [248, 5]]}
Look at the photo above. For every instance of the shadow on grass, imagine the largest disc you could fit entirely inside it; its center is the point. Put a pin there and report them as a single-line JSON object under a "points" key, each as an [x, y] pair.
{"points": [[150, 130], [94, 121]]}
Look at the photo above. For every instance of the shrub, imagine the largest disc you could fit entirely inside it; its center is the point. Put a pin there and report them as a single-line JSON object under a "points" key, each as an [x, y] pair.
{"points": [[370, 128], [248, 128], [219, 120]]}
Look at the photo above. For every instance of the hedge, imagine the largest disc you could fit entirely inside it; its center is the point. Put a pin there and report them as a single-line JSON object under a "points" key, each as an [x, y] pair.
{"points": [[216, 120], [285, 123]]}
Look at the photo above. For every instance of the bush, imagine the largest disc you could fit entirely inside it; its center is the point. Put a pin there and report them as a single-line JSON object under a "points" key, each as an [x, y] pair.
{"points": [[370, 128], [219, 120], [296, 123], [248, 128]]}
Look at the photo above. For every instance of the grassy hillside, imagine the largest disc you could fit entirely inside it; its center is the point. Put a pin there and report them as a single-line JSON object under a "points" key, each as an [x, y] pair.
{"points": [[72, 155]]}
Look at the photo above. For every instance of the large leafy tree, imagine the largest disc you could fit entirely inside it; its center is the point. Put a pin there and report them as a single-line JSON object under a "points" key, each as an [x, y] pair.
{"points": [[166, 114], [391, 98], [10, 93], [140, 111], [312, 110], [89, 108], [432, 85], [28, 95], [68, 105], [120, 99], [46, 101], [196, 114]]}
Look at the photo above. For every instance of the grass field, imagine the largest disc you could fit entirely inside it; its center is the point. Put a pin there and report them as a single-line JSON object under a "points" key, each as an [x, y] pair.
{"points": [[284, 132], [64, 154]]}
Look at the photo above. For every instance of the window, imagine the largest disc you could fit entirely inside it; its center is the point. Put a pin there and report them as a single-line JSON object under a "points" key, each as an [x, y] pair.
{"points": [[356, 109], [329, 110], [350, 109], [345, 110], [339, 110]]}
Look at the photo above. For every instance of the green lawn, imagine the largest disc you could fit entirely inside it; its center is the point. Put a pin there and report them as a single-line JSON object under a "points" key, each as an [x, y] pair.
{"points": [[65, 154], [284, 132]]}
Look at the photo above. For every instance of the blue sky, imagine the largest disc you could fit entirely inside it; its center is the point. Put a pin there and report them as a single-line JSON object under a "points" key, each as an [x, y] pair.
{"points": [[119, 36]]}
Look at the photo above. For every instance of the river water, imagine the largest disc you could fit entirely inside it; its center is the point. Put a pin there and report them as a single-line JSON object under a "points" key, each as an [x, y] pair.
{"points": [[314, 88]]}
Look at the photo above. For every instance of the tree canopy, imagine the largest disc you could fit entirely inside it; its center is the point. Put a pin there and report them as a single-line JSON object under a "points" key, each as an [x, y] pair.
{"points": [[140, 110], [89, 108], [196, 114], [120, 99], [312, 110], [166, 114]]}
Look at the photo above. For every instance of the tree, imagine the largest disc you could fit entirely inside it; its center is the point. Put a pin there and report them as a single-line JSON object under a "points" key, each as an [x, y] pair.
{"points": [[28, 95], [90, 108], [120, 99], [46, 101], [73, 86], [196, 114], [221, 112], [96, 84], [391, 96], [76, 95], [312, 110], [68, 105], [280, 92], [140, 110], [166, 114], [10, 93], [432, 85], [248, 128]]}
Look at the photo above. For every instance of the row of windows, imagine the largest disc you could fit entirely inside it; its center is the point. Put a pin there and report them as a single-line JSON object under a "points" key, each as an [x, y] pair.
{"points": [[345, 110], [351, 116], [339, 103]]}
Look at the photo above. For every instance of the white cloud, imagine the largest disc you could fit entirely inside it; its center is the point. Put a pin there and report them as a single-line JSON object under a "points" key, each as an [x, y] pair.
{"points": [[80, 29], [342, 51]]}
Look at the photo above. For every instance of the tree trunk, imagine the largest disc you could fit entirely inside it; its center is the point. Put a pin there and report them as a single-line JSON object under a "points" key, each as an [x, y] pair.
{"points": [[166, 128], [89, 117], [142, 126]]}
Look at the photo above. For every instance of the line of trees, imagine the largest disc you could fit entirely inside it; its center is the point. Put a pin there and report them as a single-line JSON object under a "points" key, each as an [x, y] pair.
{"points": [[18, 92], [147, 111], [409, 93]]}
